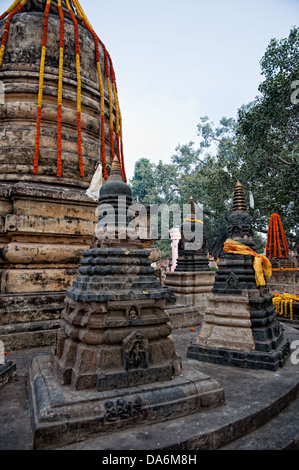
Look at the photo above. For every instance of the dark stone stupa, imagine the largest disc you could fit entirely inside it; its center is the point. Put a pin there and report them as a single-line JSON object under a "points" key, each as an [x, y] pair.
{"points": [[114, 310], [114, 364], [241, 326], [196, 257]]}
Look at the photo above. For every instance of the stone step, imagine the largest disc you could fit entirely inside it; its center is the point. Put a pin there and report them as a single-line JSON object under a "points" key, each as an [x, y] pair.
{"points": [[258, 403], [280, 433], [252, 414]]}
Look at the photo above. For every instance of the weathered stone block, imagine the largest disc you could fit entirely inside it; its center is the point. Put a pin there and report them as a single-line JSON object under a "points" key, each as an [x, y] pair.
{"points": [[61, 417]]}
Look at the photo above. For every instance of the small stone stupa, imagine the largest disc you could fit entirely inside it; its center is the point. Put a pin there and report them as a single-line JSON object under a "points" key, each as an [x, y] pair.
{"points": [[192, 279], [114, 364], [193, 258], [240, 326]]}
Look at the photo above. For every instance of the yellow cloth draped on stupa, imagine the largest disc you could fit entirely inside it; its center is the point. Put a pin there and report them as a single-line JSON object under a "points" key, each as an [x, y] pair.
{"points": [[261, 265]]}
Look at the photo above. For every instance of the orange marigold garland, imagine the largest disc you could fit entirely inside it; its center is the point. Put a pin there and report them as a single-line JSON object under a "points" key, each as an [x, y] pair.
{"points": [[13, 10], [273, 247], [59, 101], [118, 122], [277, 238], [284, 240], [111, 127], [269, 244], [111, 85], [102, 112], [40, 87], [10, 9], [77, 46]]}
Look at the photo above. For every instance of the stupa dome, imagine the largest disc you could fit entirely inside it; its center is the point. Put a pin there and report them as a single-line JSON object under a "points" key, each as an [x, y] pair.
{"points": [[60, 115]]}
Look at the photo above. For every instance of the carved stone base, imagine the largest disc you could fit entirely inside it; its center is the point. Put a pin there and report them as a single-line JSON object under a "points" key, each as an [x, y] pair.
{"points": [[62, 415], [182, 316], [114, 344], [243, 331], [247, 359], [191, 288], [227, 323]]}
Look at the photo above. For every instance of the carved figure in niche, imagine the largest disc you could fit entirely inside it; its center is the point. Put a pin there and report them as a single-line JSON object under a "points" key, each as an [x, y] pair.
{"points": [[133, 313], [135, 351], [239, 226], [232, 282]]}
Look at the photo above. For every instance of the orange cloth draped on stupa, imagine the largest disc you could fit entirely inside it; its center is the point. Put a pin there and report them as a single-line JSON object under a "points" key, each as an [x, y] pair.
{"points": [[261, 265]]}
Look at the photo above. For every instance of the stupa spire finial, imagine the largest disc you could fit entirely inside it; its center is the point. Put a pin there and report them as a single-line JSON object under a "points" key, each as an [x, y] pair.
{"points": [[239, 203]]}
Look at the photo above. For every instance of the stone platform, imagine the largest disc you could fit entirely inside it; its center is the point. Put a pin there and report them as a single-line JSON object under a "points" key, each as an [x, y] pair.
{"points": [[284, 281], [260, 413], [62, 415], [182, 316]]}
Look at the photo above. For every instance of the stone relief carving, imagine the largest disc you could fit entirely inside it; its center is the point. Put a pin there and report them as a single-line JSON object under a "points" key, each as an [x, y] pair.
{"points": [[135, 351], [122, 408], [232, 282], [133, 313]]}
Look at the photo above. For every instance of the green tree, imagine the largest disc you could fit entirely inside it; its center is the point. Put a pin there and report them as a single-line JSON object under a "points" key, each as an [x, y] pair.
{"points": [[260, 149], [268, 138], [143, 183]]}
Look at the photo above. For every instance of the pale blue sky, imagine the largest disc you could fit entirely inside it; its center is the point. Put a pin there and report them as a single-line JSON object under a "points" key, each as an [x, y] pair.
{"points": [[178, 60]]}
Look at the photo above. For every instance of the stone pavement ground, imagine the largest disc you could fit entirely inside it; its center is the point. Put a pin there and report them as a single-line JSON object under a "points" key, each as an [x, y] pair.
{"points": [[261, 410]]}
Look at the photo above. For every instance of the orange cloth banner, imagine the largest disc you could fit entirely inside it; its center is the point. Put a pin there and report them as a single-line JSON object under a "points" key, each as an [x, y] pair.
{"points": [[261, 265]]}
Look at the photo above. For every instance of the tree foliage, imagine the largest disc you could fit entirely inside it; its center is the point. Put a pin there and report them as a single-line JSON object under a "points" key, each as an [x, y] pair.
{"points": [[260, 148], [268, 137]]}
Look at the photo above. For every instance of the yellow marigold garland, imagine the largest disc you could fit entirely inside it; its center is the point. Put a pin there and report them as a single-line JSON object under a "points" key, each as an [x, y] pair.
{"points": [[282, 301], [194, 220], [102, 111], [13, 10], [10, 9], [77, 46], [40, 87], [59, 100]]}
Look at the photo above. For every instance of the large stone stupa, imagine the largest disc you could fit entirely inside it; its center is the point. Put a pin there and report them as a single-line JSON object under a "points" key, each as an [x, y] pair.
{"points": [[59, 119]]}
